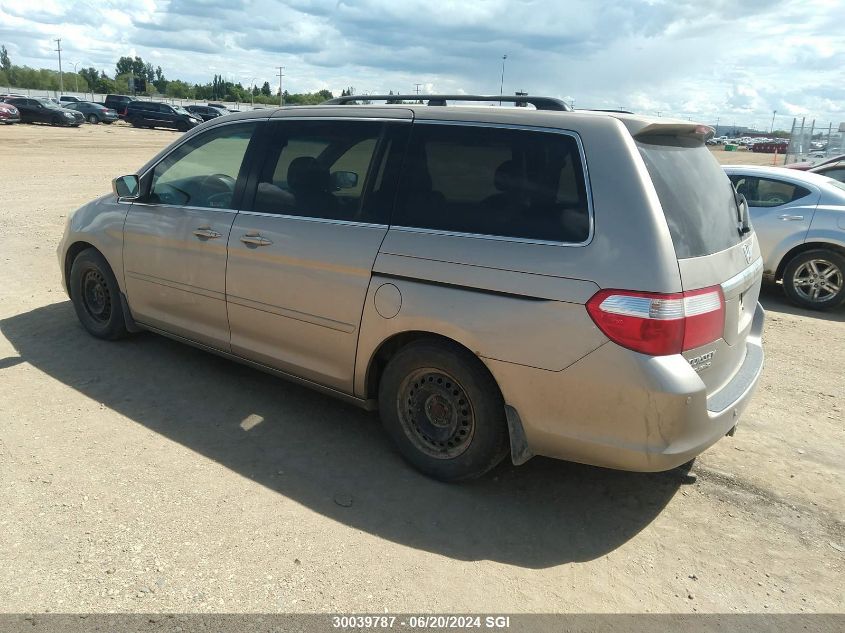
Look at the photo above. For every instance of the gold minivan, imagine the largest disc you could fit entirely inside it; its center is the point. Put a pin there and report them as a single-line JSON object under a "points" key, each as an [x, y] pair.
{"points": [[533, 280]]}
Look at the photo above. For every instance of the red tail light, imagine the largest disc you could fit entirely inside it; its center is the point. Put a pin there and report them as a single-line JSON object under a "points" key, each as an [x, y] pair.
{"points": [[659, 324]]}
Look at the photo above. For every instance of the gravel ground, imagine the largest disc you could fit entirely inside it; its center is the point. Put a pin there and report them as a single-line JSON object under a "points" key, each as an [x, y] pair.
{"points": [[146, 476]]}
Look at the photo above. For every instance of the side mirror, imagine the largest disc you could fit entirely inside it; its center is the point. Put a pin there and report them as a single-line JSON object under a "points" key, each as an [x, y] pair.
{"points": [[127, 187], [344, 180]]}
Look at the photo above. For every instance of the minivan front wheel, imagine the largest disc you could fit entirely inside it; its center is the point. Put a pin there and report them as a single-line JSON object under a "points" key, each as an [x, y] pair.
{"points": [[815, 279], [96, 296], [443, 411]]}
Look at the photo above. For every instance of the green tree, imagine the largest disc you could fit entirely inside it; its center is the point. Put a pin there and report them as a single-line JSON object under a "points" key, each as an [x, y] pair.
{"points": [[265, 89], [5, 62]]}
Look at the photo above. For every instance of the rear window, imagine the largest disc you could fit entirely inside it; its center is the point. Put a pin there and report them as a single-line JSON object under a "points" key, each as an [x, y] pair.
{"points": [[696, 195]]}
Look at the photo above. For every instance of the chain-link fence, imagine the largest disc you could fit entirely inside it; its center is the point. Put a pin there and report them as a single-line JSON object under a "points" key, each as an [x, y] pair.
{"points": [[814, 142]]}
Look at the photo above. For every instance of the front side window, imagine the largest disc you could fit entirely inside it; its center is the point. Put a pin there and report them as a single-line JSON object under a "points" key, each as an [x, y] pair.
{"points": [[318, 169], [767, 192], [203, 171], [493, 181]]}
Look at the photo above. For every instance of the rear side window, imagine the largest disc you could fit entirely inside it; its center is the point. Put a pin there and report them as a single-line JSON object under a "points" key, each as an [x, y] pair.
{"points": [[494, 181], [696, 195], [767, 192]]}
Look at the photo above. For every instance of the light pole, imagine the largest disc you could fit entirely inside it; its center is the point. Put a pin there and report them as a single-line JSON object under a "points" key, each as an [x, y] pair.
{"points": [[252, 90], [502, 84], [75, 77], [774, 113], [281, 92], [59, 51]]}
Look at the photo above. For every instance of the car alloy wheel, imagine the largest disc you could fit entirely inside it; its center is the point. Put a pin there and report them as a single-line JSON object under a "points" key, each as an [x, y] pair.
{"points": [[817, 280]]}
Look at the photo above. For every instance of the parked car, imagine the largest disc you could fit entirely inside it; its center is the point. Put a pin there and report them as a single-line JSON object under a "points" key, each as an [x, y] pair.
{"points": [[155, 114], [799, 218], [44, 111], [206, 113], [117, 103], [828, 167], [69, 99], [93, 112], [9, 114], [835, 170], [455, 268]]}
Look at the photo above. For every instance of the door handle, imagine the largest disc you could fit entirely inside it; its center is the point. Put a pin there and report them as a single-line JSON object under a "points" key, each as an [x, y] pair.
{"points": [[788, 218], [255, 240], [206, 233]]}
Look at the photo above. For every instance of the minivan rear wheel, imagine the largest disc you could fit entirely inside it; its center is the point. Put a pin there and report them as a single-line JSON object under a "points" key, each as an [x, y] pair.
{"points": [[815, 279], [443, 410], [96, 296]]}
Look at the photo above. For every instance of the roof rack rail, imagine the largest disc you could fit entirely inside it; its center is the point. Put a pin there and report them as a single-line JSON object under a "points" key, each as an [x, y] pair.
{"points": [[541, 103]]}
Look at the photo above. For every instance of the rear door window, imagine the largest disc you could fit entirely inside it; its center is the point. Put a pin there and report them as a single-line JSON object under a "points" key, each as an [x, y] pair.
{"points": [[494, 181], [696, 195], [767, 192]]}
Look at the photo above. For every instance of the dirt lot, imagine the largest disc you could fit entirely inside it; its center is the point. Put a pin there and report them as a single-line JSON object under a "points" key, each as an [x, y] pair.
{"points": [[147, 476]]}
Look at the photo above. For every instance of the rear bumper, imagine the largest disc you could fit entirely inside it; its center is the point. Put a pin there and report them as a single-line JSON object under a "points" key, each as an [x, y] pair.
{"points": [[620, 409]]}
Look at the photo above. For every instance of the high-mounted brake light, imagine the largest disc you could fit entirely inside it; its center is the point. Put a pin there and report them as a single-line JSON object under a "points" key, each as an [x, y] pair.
{"points": [[659, 324]]}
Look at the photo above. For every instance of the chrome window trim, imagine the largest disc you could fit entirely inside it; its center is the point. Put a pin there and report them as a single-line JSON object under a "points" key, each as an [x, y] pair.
{"points": [[743, 277], [504, 238], [177, 206], [308, 218]]}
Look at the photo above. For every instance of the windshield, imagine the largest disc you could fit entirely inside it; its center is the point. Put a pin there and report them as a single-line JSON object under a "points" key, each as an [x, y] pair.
{"points": [[49, 104], [180, 109]]}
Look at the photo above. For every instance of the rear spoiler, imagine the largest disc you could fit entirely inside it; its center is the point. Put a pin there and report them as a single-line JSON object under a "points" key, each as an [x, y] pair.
{"points": [[675, 128]]}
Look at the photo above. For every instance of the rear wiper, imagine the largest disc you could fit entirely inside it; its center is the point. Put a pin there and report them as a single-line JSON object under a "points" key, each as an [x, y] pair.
{"points": [[742, 216]]}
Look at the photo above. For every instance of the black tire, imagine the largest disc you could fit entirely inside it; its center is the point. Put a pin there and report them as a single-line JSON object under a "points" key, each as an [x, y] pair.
{"points": [[135, 123], [57, 121], [182, 127], [443, 410], [93, 119], [820, 272], [96, 296]]}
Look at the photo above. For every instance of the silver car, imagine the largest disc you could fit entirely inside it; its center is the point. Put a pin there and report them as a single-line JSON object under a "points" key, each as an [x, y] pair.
{"points": [[799, 218], [532, 281]]}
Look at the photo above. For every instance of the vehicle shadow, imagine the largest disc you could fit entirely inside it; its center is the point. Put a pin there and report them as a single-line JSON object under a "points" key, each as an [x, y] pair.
{"points": [[772, 298], [320, 452]]}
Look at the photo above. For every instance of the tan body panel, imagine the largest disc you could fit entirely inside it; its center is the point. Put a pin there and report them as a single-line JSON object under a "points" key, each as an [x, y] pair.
{"points": [[99, 223], [175, 279], [295, 304], [536, 333]]}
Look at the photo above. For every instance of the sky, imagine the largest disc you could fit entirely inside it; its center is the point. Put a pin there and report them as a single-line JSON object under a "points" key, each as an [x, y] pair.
{"points": [[737, 61]]}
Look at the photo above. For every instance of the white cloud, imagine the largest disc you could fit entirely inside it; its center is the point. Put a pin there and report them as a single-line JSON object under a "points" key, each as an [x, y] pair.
{"points": [[734, 59]]}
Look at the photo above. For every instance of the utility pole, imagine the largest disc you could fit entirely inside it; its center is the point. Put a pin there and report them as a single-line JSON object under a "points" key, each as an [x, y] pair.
{"points": [[75, 77], [281, 92], [59, 51], [418, 88], [774, 113], [502, 84]]}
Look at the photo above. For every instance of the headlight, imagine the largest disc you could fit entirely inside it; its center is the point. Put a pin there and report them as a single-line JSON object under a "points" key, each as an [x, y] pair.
{"points": [[69, 115]]}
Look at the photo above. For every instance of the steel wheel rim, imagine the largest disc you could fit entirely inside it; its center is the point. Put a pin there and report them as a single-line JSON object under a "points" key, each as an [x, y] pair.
{"points": [[95, 296], [817, 280], [436, 413]]}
